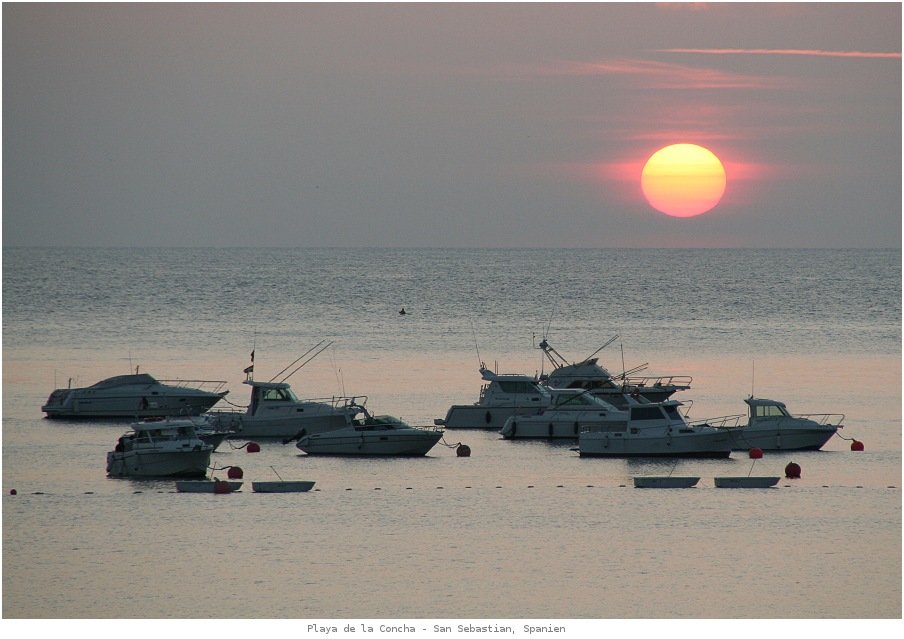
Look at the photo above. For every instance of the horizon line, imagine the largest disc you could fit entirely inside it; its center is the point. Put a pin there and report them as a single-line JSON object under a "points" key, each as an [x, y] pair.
{"points": [[813, 52]]}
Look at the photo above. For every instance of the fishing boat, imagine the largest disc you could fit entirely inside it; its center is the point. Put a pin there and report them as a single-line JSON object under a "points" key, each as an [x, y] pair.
{"points": [[159, 449], [275, 411], [134, 396], [503, 396], [653, 429], [281, 486], [770, 426], [370, 435], [587, 374]]}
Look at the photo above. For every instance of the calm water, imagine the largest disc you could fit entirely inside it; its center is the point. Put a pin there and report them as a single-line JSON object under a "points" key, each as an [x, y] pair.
{"points": [[518, 530]]}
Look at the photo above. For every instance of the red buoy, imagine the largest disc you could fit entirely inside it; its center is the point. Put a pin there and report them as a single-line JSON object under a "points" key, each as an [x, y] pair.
{"points": [[235, 472], [856, 445], [756, 453], [221, 487], [463, 450], [13, 492], [792, 471], [253, 447]]}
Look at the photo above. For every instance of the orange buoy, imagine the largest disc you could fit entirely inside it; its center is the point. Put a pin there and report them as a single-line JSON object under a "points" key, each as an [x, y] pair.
{"points": [[463, 450], [856, 445], [792, 471], [253, 447], [756, 453], [235, 472], [221, 487]]}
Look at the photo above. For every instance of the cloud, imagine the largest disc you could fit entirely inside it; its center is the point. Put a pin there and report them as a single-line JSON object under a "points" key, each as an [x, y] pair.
{"points": [[813, 52], [665, 75]]}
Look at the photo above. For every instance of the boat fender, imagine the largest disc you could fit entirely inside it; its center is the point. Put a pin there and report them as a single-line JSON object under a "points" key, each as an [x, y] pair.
{"points": [[550, 430], [488, 417], [514, 428], [576, 428]]}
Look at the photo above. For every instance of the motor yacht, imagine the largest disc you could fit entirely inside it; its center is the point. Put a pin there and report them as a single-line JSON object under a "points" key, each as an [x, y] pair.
{"points": [[589, 375], [653, 429], [570, 410], [370, 435], [159, 449], [134, 396], [501, 397], [770, 426]]}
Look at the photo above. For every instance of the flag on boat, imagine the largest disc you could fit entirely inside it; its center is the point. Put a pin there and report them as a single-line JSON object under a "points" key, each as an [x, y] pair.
{"points": [[249, 369]]}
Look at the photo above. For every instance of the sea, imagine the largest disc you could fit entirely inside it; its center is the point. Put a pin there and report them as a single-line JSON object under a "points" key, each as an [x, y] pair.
{"points": [[518, 538]]}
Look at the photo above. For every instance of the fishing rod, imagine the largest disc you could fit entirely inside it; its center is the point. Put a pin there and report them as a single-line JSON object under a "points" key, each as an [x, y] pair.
{"points": [[307, 360]]}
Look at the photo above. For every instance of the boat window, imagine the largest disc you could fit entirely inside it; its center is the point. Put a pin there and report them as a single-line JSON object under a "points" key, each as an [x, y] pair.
{"points": [[573, 400], [645, 412], [672, 412], [770, 411], [519, 387], [276, 395]]}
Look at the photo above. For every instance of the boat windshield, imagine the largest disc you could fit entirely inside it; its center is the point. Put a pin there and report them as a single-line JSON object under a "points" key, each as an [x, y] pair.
{"points": [[645, 412], [278, 395], [581, 399], [771, 410]]}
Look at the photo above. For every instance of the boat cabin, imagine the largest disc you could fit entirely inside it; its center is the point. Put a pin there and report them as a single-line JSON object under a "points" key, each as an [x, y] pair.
{"points": [[762, 408], [505, 390]]}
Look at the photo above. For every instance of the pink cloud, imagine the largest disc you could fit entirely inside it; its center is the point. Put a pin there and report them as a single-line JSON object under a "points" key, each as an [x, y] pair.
{"points": [[814, 52]]}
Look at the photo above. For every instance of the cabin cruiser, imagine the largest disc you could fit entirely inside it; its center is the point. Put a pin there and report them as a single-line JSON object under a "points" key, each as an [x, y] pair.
{"points": [[135, 396], [503, 396], [654, 429], [769, 426], [369, 435], [275, 411], [589, 375], [570, 409], [159, 449]]}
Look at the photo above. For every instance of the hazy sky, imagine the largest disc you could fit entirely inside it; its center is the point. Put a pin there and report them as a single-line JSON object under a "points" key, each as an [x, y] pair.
{"points": [[446, 125]]}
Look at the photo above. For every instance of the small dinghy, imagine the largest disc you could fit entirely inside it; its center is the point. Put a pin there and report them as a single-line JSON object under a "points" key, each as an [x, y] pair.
{"points": [[746, 482], [206, 486], [665, 481], [281, 486]]}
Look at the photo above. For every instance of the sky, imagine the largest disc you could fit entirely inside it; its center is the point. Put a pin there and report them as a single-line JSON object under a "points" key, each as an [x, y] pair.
{"points": [[447, 125]]}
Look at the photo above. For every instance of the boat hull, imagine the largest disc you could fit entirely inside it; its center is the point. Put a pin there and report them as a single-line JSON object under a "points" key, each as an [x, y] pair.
{"points": [[613, 444], [283, 425], [486, 417], [370, 444], [281, 486], [130, 407], [665, 481], [155, 463], [535, 427], [745, 482], [205, 486], [813, 438]]}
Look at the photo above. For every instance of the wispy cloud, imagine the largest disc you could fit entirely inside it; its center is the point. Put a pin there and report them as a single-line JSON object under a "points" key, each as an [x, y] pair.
{"points": [[813, 52], [663, 75]]}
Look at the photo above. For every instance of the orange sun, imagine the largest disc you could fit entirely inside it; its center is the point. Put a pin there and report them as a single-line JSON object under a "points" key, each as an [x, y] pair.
{"points": [[683, 180]]}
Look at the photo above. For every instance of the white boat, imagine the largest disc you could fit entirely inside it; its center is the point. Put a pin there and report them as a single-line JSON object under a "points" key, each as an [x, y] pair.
{"points": [[134, 396], [159, 449], [589, 375], [650, 430], [571, 409], [769, 426], [275, 411], [745, 482], [665, 481], [281, 486], [380, 435], [208, 486], [501, 397]]}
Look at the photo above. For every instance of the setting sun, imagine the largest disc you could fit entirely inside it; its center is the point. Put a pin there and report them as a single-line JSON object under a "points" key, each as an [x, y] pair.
{"points": [[683, 180]]}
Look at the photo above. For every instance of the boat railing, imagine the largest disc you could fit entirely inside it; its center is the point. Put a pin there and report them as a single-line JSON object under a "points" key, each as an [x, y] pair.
{"points": [[726, 421], [338, 403], [822, 419], [680, 381], [209, 385]]}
